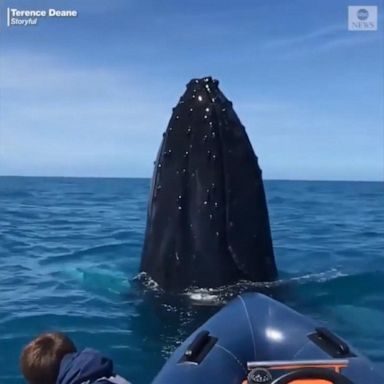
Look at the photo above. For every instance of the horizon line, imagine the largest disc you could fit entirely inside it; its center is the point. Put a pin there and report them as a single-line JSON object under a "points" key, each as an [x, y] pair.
{"points": [[149, 178]]}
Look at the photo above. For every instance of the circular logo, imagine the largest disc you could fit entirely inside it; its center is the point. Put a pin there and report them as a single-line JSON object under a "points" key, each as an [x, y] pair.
{"points": [[362, 14]]}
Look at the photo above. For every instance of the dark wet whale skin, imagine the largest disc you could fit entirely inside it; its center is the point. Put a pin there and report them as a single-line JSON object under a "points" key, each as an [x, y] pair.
{"points": [[207, 223]]}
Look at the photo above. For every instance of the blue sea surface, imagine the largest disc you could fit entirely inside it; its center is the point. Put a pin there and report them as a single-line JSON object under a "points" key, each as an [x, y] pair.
{"points": [[70, 250]]}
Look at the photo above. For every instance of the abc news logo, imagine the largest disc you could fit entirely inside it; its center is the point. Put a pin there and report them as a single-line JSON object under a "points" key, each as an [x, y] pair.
{"points": [[362, 18]]}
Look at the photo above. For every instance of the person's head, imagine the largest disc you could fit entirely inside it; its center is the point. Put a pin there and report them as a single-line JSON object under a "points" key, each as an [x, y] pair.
{"points": [[40, 358]]}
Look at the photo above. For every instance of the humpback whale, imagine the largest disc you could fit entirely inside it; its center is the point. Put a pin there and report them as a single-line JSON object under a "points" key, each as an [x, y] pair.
{"points": [[207, 221]]}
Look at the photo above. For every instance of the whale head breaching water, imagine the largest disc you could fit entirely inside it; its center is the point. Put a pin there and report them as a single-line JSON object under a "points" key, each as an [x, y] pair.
{"points": [[207, 223]]}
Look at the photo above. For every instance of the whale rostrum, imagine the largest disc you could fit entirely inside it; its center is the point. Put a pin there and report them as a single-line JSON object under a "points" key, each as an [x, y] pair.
{"points": [[207, 223]]}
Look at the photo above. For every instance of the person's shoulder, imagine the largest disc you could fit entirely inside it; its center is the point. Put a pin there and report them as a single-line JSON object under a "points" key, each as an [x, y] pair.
{"points": [[112, 380]]}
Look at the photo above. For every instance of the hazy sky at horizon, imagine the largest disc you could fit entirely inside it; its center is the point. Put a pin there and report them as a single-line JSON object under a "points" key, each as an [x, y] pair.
{"points": [[91, 96]]}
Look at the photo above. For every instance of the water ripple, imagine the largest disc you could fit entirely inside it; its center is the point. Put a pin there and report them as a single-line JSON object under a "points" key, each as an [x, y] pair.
{"points": [[70, 249]]}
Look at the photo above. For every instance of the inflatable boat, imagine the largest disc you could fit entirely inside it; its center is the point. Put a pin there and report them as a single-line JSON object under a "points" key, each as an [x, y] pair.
{"points": [[255, 339]]}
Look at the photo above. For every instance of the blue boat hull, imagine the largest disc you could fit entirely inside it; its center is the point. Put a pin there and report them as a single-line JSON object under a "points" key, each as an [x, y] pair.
{"points": [[254, 327]]}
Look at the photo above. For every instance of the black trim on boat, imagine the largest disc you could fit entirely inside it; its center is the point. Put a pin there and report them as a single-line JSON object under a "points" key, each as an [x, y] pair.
{"points": [[330, 343], [199, 348]]}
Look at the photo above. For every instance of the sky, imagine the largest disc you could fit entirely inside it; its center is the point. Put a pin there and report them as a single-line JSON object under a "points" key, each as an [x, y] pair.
{"points": [[91, 95]]}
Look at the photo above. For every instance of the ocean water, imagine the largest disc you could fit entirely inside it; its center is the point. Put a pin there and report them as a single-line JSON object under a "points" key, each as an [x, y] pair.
{"points": [[70, 251]]}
